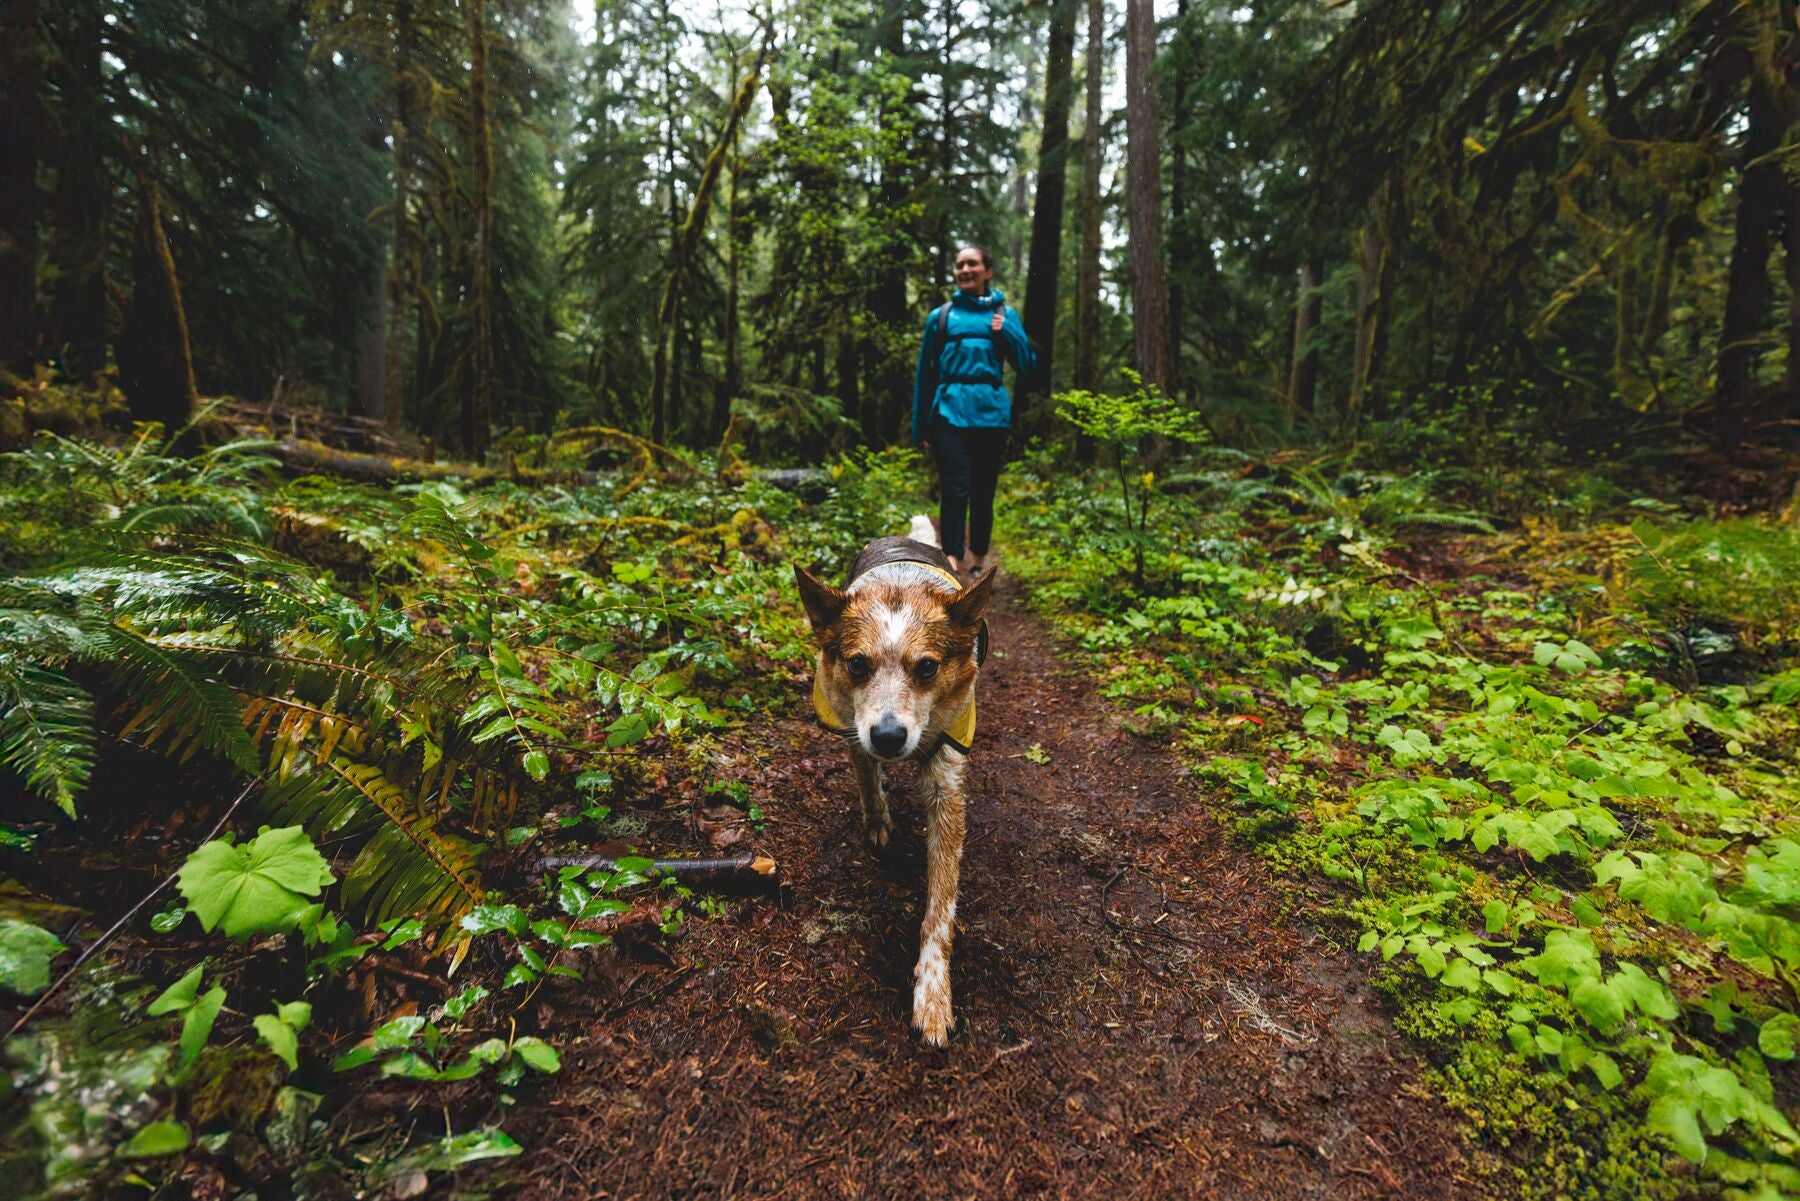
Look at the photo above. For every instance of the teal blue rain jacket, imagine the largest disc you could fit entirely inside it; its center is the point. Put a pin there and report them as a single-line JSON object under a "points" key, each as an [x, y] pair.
{"points": [[959, 373]]}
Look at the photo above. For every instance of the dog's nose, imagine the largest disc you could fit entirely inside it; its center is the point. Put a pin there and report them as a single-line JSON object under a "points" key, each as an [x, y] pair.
{"points": [[887, 736]]}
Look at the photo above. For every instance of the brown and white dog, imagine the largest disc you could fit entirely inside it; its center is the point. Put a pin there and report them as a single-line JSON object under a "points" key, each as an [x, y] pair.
{"points": [[899, 648]]}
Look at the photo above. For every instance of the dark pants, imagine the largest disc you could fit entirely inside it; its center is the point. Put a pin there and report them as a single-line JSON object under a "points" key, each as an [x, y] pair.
{"points": [[968, 463]]}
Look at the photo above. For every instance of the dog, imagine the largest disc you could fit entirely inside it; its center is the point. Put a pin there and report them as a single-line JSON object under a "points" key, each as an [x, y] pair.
{"points": [[900, 646]]}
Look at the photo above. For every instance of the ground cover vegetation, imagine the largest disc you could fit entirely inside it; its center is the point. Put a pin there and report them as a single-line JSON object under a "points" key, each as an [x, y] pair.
{"points": [[1545, 775], [1437, 362]]}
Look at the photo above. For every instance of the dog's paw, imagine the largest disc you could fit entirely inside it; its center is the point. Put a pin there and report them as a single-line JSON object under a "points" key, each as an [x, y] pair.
{"points": [[878, 831], [932, 1017]]}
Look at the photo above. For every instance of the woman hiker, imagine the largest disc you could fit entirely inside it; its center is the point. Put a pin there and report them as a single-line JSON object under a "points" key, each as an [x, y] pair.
{"points": [[961, 410]]}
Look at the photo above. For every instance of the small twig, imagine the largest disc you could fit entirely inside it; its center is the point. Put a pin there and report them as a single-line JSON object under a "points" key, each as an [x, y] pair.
{"points": [[681, 976], [119, 925]]}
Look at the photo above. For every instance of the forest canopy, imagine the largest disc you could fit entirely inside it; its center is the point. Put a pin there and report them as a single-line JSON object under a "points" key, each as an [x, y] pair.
{"points": [[517, 216]]}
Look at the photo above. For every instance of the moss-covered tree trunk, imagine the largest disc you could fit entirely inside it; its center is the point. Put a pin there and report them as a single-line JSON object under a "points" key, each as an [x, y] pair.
{"points": [[687, 236], [1303, 378], [1372, 251]]}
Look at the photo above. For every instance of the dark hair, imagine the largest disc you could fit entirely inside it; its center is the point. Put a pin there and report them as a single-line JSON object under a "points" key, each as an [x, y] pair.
{"points": [[987, 258]]}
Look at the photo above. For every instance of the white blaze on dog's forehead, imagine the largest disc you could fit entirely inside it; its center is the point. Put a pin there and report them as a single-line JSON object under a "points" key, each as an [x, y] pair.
{"points": [[895, 624]]}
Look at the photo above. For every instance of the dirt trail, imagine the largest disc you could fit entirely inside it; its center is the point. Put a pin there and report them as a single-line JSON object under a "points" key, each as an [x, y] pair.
{"points": [[1133, 1019]]}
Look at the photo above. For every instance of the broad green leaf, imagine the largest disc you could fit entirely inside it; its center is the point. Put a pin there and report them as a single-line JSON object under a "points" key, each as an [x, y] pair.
{"points": [[460, 1149], [487, 919], [178, 996], [1598, 1003], [1605, 1071], [536, 764], [158, 1138], [403, 933], [538, 1055], [1460, 973], [1648, 996], [353, 1058], [1501, 982], [280, 1038], [259, 887], [400, 1032], [1673, 1117], [196, 1026], [493, 1050], [1778, 1036], [25, 955], [1494, 915], [463, 1001], [411, 1066]]}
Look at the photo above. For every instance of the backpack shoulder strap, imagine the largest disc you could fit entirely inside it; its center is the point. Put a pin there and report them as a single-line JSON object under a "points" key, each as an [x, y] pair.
{"points": [[943, 321]]}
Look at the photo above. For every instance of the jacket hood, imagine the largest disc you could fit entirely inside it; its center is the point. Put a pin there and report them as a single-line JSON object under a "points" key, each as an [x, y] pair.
{"points": [[963, 300]]}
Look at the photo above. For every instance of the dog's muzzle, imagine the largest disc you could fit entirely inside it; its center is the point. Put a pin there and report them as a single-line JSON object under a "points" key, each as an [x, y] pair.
{"points": [[887, 737]]}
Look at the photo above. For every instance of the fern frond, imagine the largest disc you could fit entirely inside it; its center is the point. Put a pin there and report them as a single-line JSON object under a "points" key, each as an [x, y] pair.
{"points": [[46, 731], [407, 867], [177, 704]]}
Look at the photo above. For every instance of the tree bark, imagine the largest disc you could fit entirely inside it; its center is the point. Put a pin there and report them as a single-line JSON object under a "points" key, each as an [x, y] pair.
{"points": [[1149, 279], [78, 308], [1087, 285], [401, 265], [478, 403], [1371, 262], [156, 364], [1043, 282], [1763, 194], [685, 239], [733, 380], [1303, 381], [21, 146], [887, 365], [1179, 234], [371, 350]]}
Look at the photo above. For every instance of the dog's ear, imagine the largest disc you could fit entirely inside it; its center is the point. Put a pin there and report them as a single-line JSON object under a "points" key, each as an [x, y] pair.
{"points": [[967, 607], [824, 604]]}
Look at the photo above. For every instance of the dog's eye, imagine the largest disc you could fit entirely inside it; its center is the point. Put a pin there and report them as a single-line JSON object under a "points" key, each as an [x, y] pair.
{"points": [[859, 666], [925, 669]]}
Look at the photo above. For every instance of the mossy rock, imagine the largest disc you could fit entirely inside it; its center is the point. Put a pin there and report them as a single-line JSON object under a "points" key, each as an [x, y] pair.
{"points": [[234, 1088]]}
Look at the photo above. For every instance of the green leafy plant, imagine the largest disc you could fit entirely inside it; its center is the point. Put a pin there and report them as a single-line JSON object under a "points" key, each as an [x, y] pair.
{"points": [[264, 886], [25, 955], [1123, 426]]}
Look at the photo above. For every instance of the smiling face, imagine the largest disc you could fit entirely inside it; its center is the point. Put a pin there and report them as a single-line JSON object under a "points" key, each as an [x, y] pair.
{"points": [[896, 662], [974, 271]]}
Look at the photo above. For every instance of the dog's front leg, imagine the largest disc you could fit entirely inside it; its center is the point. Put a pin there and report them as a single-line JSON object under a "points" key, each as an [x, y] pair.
{"points": [[878, 824], [941, 786]]}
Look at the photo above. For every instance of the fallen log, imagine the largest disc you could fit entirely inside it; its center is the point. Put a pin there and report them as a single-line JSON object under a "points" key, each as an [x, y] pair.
{"points": [[741, 871], [315, 458]]}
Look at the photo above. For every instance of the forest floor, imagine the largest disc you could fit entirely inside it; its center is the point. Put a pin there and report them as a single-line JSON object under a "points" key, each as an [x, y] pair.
{"points": [[1137, 1016]]}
